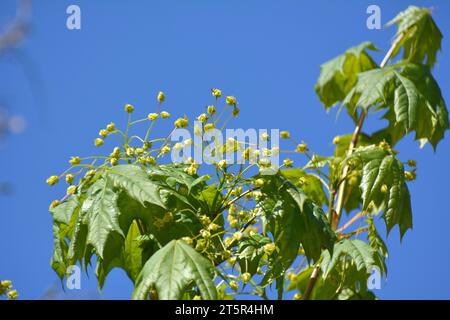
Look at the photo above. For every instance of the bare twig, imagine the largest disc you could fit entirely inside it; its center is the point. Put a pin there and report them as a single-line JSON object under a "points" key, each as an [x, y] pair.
{"points": [[15, 32]]}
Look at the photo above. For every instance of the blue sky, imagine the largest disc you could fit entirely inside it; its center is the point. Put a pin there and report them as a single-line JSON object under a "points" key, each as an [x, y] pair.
{"points": [[69, 84]]}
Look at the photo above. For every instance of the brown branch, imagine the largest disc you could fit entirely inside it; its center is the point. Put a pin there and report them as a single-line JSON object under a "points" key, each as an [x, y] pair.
{"points": [[351, 221], [15, 32], [312, 281]]}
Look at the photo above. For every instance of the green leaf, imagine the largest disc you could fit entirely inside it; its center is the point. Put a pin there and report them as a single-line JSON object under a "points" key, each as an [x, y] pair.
{"points": [[343, 143], [361, 254], [382, 170], [339, 75], [172, 269], [294, 219], [175, 173], [58, 260], [375, 240], [411, 96], [136, 251], [64, 211], [421, 38], [250, 251], [102, 218], [136, 182], [309, 183]]}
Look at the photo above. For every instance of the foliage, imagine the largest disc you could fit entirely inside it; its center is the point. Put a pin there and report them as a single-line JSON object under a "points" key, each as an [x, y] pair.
{"points": [[187, 230]]}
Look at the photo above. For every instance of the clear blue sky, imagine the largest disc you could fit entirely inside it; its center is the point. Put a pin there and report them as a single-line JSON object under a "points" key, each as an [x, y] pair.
{"points": [[68, 84]]}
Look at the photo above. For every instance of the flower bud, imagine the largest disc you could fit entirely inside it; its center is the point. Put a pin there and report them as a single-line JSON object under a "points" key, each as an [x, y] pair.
{"points": [[216, 93], [237, 235], [116, 152], [74, 161], [69, 178], [168, 217], [205, 234], [90, 173], [71, 190], [297, 296], [222, 164], [384, 189], [165, 149], [269, 248], [213, 227], [99, 142], [111, 127], [384, 145], [103, 133], [211, 109], [152, 116], [114, 161], [291, 276], [231, 101], [188, 240], [264, 136], [146, 145], [150, 160], [54, 204], [234, 223], [7, 284], [191, 170], [246, 277], [234, 285], [235, 111], [161, 97], [410, 175], [209, 126], [203, 118], [165, 114], [412, 163], [52, 180], [129, 108], [301, 148], [12, 294], [336, 140], [130, 151], [259, 183], [139, 151], [201, 245], [288, 163], [285, 134], [181, 122]]}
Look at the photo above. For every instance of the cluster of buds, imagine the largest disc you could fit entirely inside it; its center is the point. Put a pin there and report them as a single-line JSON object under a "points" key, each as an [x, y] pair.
{"points": [[181, 122], [6, 288], [192, 168]]}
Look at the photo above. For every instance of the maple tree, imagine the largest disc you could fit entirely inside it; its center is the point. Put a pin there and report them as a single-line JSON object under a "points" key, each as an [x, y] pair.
{"points": [[181, 234]]}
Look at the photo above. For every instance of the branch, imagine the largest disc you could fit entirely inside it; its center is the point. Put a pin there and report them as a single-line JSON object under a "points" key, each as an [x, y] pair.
{"points": [[16, 31], [351, 221], [357, 131], [311, 283]]}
